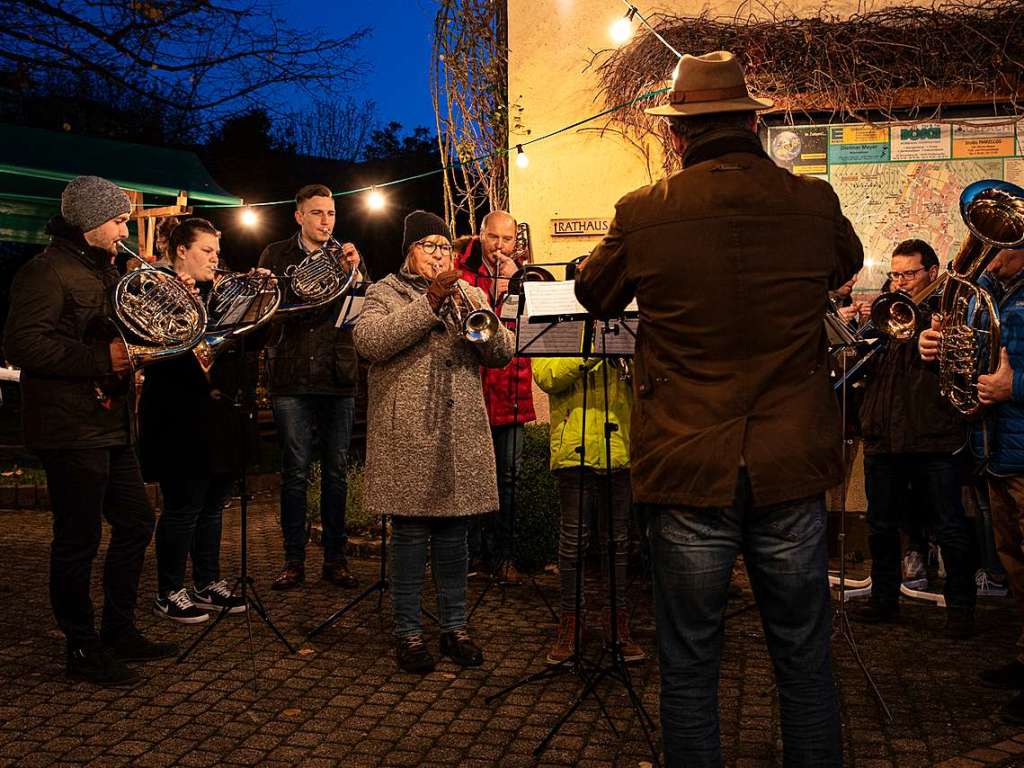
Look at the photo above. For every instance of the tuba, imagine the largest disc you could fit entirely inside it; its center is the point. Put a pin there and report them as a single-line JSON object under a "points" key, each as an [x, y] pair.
{"points": [[239, 303], [993, 211], [156, 316], [318, 279]]}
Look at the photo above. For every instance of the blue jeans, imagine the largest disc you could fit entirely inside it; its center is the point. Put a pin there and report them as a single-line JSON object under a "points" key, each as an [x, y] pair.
{"points": [[190, 524], [935, 480], [491, 536], [446, 538], [785, 552], [298, 418]]}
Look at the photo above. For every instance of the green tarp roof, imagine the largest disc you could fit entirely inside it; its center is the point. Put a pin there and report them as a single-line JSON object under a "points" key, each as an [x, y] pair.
{"points": [[35, 164]]}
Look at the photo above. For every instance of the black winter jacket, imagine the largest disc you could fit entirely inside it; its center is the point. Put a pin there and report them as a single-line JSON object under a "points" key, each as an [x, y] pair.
{"points": [[307, 354], [58, 332], [902, 410]]}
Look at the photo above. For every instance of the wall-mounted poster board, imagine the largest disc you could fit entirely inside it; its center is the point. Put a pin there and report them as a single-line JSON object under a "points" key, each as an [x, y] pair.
{"points": [[902, 180]]}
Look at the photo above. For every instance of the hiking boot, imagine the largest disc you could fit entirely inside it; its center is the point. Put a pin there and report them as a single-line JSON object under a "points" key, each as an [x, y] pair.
{"points": [[292, 576], [93, 664], [412, 655], [337, 573], [178, 606], [959, 623], [564, 640], [458, 647], [216, 596], [631, 652], [987, 586], [915, 575], [1009, 677], [133, 646], [875, 613]]}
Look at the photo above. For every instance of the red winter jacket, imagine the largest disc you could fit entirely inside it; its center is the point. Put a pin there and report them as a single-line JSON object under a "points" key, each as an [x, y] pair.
{"points": [[500, 384]]}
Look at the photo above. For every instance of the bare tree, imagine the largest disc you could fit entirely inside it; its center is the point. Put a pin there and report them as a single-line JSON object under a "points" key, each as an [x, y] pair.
{"points": [[331, 128], [205, 57]]}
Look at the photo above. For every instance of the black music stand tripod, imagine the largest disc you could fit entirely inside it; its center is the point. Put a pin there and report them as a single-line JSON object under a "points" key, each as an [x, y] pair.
{"points": [[244, 585]]}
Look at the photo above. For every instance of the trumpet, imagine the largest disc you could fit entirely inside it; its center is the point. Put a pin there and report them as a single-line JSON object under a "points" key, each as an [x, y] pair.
{"points": [[470, 319], [897, 314]]}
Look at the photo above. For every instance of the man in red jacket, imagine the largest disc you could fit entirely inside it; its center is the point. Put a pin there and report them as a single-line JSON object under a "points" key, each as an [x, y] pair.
{"points": [[487, 262]]}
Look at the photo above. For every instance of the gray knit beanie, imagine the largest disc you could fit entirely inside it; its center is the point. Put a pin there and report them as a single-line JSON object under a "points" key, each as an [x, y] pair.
{"points": [[89, 201], [421, 224]]}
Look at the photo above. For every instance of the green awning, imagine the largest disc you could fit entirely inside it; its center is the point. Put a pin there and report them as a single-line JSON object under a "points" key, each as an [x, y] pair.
{"points": [[35, 165]]}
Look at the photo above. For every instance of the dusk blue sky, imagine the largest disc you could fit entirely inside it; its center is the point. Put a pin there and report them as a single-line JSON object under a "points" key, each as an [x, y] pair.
{"points": [[397, 52]]}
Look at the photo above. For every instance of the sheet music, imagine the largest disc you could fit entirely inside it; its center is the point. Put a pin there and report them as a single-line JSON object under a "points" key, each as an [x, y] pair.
{"points": [[544, 339], [509, 308], [351, 307], [619, 342], [552, 300]]}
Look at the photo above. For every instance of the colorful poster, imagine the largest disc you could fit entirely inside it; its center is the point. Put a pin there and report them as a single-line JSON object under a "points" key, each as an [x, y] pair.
{"points": [[983, 138], [920, 141], [858, 144], [801, 149]]}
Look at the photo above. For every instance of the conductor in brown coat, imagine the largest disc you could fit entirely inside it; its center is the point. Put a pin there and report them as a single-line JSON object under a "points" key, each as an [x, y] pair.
{"points": [[429, 455], [735, 426]]}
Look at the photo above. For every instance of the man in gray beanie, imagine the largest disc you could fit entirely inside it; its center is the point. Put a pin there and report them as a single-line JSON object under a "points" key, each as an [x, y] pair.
{"points": [[76, 419]]}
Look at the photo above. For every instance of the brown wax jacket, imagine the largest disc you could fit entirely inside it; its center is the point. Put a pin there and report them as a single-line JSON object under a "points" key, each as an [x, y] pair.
{"points": [[730, 260]]}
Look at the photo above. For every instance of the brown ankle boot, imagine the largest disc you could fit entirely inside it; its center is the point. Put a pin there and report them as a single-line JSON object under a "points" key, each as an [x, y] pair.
{"points": [[631, 652], [563, 647]]}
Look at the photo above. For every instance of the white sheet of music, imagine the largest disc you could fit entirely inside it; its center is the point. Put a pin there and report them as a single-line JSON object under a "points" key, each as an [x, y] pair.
{"points": [[552, 300], [350, 309], [621, 339], [541, 339], [509, 308]]}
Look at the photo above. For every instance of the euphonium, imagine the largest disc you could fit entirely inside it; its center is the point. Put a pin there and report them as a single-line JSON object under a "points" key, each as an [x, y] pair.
{"points": [[318, 279], [993, 211], [239, 303]]}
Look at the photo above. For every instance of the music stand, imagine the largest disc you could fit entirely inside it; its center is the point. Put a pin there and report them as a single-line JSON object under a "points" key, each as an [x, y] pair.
{"points": [[244, 585]]}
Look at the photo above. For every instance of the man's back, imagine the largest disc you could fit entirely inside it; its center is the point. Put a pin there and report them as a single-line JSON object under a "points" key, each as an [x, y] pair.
{"points": [[730, 261]]}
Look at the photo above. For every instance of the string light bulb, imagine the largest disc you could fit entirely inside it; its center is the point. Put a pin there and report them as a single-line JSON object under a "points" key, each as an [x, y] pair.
{"points": [[522, 159], [249, 217], [375, 199], [622, 29]]}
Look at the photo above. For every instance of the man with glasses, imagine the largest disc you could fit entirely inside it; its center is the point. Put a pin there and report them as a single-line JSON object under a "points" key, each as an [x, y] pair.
{"points": [[487, 262], [313, 379], [910, 437]]}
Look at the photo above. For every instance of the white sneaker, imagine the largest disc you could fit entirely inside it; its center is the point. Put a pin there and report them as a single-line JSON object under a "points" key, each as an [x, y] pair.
{"points": [[178, 606], [915, 575], [987, 587]]}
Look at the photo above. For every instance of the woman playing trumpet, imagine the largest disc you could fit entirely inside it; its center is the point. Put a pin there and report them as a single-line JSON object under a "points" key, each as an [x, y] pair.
{"points": [[429, 457]]}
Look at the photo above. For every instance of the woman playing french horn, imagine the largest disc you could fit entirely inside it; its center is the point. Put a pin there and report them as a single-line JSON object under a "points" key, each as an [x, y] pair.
{"points": [[429, 458]]}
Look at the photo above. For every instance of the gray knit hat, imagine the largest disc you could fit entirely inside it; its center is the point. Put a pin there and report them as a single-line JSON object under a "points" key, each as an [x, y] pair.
{"points": [[89, 201], [420, 224]]}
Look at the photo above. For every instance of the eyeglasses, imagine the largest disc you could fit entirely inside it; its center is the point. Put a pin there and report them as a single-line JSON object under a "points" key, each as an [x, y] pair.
{"points": [[429, 247], [908, 275]]}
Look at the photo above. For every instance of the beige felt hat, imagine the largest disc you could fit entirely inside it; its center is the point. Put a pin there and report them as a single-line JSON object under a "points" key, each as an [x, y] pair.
{"points": [[706, 84]]}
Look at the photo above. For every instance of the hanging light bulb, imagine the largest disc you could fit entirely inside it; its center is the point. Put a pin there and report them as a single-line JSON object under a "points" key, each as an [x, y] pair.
{"points": [[249, 217], [522, 159], [622, 29], [375, 200]]}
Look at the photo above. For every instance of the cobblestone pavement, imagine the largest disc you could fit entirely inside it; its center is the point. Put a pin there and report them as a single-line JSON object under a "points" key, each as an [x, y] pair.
{"points": [[341, 701]]}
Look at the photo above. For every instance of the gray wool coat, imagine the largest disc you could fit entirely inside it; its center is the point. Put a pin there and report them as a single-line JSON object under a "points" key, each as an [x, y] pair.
{"points": [[429, 451]]}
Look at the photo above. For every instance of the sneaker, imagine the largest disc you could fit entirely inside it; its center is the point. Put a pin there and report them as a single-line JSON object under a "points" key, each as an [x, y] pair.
{"points": [[337, 573], [915, 575], [458, 647], [412, 655], [873, 613], [631, 652], [133, 646], [292, 576], [1009, 677], [216, 596], [93, 664], [987, 587], [564, 640], [178, 606]]}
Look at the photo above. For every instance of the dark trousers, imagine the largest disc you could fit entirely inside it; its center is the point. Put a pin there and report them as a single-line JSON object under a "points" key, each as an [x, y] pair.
{"points": [[298, 419], [935, 479], [445, 539], [491, 536], [190, 524], [783, 546], [85, 486]]}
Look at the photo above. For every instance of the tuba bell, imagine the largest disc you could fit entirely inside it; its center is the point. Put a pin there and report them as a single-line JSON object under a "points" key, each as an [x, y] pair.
{"points": [[993, 211]]}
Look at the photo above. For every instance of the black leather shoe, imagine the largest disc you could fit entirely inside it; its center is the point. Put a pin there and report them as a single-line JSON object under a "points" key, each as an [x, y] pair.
{"points": [[1009, 677], [132, 646], [875, 613], [293, 575], [337, 573], [413, 656], [458, 647], [93, 664]]}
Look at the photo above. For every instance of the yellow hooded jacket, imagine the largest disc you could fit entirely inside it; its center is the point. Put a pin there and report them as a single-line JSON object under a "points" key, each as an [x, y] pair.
{"points": [[562, 379]]}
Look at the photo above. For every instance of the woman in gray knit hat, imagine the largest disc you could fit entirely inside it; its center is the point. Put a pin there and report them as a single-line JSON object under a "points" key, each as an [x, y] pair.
{"points": [[429, 457]]}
